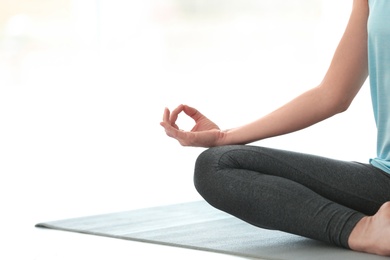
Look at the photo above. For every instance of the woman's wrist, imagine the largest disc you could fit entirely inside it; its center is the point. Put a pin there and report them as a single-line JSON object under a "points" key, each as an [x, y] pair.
{"points": [[230, 136]]}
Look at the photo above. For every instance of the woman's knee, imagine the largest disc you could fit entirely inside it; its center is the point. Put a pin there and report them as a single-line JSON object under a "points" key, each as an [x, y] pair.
{"points": [[209, 168], [203, 170]]}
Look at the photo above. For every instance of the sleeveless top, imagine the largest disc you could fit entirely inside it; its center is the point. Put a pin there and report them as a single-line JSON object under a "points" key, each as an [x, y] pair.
{"points": [[379, 76]]}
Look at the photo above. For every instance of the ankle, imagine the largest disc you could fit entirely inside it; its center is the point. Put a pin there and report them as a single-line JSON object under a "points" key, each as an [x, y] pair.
{"points": [[357, 239], [370, 233]]}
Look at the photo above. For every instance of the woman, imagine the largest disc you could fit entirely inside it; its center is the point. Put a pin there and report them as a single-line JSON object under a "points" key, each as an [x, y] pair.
{"points": [[339, 202]]}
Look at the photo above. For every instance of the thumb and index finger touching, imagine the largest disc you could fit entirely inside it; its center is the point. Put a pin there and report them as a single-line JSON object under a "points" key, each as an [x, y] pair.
{"points": [[169, 121], [171, 117]]}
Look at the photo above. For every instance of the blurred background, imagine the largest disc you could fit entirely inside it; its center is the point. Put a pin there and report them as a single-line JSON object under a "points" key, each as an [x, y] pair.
{"points": [[83, 85]]}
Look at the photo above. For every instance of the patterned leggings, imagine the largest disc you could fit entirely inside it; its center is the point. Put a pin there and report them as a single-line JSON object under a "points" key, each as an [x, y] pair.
{"points": [[307, 195]]}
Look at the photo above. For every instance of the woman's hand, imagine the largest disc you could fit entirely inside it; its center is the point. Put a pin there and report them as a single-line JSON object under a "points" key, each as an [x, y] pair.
{"points": [[205, 133]]}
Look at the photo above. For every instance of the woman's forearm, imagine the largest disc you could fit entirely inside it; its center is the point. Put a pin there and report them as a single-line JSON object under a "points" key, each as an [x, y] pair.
{"points": [[307, 109]]}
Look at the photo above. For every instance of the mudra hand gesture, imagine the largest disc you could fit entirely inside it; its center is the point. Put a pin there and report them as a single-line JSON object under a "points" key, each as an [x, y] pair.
{"points": [[205, 133]]}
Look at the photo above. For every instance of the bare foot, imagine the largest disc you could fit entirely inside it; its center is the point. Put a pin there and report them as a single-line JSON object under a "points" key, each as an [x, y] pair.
{"points": [[372, 234]]}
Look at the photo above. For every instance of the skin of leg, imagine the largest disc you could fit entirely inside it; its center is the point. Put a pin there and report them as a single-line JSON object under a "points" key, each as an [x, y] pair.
{"points": [[343, 189], [371, 233]]}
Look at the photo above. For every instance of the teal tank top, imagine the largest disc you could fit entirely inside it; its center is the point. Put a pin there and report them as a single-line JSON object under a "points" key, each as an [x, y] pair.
{"points": [[379, 70]]}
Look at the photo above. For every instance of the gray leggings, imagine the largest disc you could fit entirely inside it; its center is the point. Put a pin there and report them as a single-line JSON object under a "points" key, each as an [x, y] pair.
{"points": [[306, 195]]}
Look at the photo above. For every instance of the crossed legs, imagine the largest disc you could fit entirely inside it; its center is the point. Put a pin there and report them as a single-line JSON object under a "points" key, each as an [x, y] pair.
{"points": [[303, 194]]}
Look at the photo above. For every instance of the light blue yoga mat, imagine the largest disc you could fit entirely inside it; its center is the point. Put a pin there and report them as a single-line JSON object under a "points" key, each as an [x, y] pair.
{"points": [[197, 225]]}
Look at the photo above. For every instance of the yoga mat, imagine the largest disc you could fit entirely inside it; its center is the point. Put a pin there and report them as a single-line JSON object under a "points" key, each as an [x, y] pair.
{"points": [[197, 225]]}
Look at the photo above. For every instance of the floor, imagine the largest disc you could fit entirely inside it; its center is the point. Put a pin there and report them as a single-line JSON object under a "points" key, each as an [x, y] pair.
{"points": [[80, 107]]}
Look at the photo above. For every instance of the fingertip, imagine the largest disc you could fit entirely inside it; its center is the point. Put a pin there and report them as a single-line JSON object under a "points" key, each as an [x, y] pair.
{"points": [[164, 125]]}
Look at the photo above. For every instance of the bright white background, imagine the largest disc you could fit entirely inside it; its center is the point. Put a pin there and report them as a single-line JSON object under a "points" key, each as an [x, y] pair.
{"points": [[83, 85]]}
